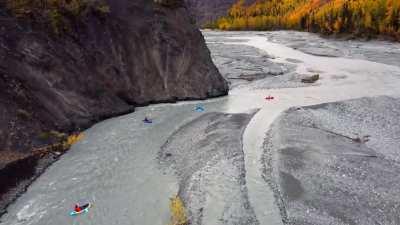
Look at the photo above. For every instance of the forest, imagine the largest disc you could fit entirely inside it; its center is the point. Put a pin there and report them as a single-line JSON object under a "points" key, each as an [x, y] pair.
{"points": [[366, 18]]}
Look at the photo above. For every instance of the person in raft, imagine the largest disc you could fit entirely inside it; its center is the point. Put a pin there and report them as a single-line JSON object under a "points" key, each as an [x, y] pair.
{"points": [[77, 208], [147, 120]]}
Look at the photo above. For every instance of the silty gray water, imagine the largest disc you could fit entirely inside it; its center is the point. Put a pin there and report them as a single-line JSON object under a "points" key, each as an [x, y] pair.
{"points": [[117, 168]]}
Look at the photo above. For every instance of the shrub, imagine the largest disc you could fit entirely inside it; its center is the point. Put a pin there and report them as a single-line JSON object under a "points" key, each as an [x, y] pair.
{"points": [[23, 114], [178, 212], [72, 139], [51, 135]]}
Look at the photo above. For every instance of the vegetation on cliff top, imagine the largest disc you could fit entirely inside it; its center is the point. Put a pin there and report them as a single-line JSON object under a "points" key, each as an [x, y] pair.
{"points": [[359, 17], [56, 13]]}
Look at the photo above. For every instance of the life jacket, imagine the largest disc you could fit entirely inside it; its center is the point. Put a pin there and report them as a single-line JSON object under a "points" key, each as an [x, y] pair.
{"points": [[77, 208]]}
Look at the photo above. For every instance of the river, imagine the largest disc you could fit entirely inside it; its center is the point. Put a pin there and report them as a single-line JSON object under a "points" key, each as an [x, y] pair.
{"points": [[117, 167]]}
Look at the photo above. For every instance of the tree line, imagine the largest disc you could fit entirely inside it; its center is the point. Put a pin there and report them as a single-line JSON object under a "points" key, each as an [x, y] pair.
{"points": [[359, 17]]}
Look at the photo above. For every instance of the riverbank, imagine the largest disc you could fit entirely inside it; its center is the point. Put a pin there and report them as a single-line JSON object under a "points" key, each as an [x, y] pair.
{"points": [[69, 65], [119, 159], [16, 176], [19, 170]]}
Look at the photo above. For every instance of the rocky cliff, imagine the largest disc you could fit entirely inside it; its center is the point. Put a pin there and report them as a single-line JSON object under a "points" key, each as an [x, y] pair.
{"points": [[208, 10], [68, 64], [76, 70]]}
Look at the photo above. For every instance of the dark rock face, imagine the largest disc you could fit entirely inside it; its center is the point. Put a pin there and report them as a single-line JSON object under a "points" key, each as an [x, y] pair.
{"points": [[208, 10], [141, 52], [170, 3]]}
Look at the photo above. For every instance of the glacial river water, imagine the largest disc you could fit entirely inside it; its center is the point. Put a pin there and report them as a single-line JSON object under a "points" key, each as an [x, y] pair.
{"points": [[116, 168]]}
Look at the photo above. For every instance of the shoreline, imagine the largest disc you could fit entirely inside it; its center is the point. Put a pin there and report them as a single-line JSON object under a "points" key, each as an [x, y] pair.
{"points": [[118, 157], [19, 185], [37, 166], [337, 37]]}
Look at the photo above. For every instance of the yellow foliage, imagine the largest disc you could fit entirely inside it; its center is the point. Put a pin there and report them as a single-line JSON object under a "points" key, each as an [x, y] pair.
{"points": [[362, 17], [58, 147], [178, 212], [72, 139]]}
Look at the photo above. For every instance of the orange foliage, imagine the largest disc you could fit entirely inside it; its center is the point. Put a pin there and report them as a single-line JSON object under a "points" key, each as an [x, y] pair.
{"points": [[361, 17]]}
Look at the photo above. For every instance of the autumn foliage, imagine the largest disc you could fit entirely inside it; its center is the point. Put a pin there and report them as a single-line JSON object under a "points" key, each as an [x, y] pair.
{"points": [[360, 17], [72, 139], [178, 212]]}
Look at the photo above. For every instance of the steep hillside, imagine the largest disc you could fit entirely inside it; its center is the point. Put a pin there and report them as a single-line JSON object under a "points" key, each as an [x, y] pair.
{"points": [[359, 17], [208, 10], [98, 66], [68, 64], [205, 11]]}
